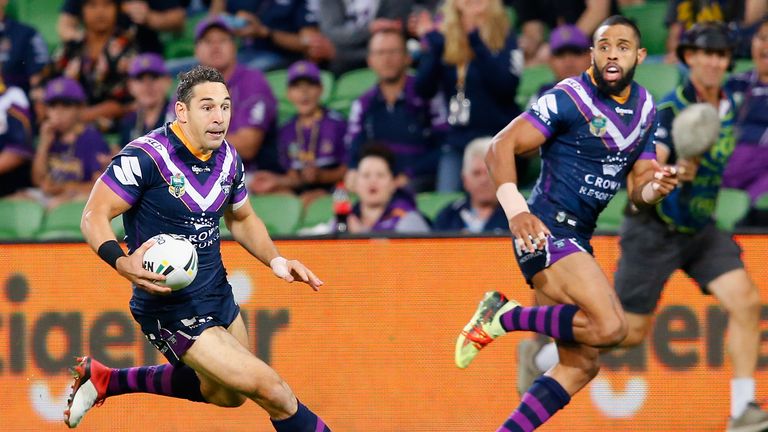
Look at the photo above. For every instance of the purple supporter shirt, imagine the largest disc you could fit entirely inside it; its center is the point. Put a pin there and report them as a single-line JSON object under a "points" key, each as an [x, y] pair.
{"points": [[77, 161], [323, 143], [253, 102], [253, 105], [401, 215]]}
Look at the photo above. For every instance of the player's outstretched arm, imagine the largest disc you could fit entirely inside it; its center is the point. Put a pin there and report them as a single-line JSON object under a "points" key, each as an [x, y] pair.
{"points": [[104, 205], [248, 230], [518, 137]]}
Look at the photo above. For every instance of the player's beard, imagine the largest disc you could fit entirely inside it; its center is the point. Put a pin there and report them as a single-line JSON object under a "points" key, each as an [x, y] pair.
{"points": [[615, 88]]}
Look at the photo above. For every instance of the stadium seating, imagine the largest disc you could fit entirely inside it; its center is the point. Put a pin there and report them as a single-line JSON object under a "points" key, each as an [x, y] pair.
{"points": [[533, 78], [610, 219], [63, 222], [761, 203], [649, 18], [280, 213], [349, 86], [743, 65], [732, 207], [658, 78], [181, 44], [20, 219], [318, 211], [277, 81], [430, 203], [42, 15]]}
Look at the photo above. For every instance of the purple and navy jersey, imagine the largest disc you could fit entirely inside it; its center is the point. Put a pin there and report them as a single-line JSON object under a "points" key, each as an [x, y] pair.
{"points": [[77, 161], [592, 144], [322, 144], [173, 192], [751, 97]]}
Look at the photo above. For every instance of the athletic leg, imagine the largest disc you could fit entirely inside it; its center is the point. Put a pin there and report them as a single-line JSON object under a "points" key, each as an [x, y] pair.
{"points": [[223, 360]]}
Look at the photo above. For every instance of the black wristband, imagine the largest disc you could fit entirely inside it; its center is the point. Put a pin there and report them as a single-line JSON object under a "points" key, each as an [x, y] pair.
{"points": [[110, 251]]}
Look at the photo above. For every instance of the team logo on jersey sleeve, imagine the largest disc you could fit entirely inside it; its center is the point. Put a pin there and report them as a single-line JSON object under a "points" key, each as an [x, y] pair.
{"points": [[177, 186], [225, 183], [597, 126]]}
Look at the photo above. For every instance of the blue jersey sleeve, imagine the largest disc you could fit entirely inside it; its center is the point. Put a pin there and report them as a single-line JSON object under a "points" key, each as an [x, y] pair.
{"points": [[665, 114], [649, 140], [130, 173], [239, 195], [550, 113]]}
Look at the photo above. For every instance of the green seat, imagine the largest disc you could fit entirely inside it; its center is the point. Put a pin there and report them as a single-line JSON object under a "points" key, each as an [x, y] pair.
{"points": [[743, 65], [650, 18], [658, 78], [732, 206], [279, 212], [430, 203], [611, 217], [182, 43], [63, 222], [341, 106], [43, 16], [319, 211], [278, 83], [350, 86], [20, 220], [532, 79], [761, 203]]}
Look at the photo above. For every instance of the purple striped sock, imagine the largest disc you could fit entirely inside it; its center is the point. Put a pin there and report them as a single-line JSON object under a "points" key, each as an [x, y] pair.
{"points": [[304, 420], [555, 321], [179, 381], [545, 397]]}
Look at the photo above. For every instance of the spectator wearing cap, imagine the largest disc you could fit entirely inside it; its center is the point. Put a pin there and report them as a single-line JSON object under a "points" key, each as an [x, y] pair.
{"points": [[275, 33], [747, 169], [70, 153], [253, 127], [144, 18], [16, 150], [569, 55], [23, 52], [149, 83], [478, 210], [394, 115], [99, 62], [311, 144], [534, 18]]}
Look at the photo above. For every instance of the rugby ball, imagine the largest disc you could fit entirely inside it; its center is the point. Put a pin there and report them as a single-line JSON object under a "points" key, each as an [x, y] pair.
{"points": [[695, 130], [173, 257]]}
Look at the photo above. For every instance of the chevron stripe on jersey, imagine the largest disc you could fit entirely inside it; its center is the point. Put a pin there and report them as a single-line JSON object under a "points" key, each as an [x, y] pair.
{"points": [[198, 197], [619, 135]]}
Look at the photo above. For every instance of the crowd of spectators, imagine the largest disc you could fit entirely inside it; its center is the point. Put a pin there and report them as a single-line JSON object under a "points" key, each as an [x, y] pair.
{"points": [[447, 74]]}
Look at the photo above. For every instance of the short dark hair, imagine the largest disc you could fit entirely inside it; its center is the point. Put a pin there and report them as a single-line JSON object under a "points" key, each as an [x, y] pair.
{"points": [[389, 31], [377, 150], [622, 20], [197, 75]]}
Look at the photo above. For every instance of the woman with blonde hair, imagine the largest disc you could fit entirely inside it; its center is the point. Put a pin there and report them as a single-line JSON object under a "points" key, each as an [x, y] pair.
{"points": [[473, 58]]}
